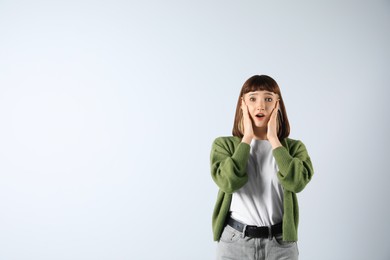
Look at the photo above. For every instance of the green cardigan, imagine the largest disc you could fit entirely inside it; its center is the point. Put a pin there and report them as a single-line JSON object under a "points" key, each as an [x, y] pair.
{"points": [[229, 157]]}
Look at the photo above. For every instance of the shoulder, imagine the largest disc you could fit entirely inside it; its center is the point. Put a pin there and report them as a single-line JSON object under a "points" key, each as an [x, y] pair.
{"points": [[227, 142], [227, 139], [293, 145], [291, 142]]}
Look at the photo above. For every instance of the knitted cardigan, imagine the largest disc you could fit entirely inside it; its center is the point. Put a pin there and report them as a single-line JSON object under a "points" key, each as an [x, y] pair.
{"points": [[228, 159]]}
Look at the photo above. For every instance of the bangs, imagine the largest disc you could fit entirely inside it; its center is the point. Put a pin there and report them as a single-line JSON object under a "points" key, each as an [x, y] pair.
{"points": [[262, 82]]}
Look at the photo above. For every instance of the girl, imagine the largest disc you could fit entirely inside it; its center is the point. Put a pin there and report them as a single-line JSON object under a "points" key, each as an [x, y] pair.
{"points": [[258, 171]]}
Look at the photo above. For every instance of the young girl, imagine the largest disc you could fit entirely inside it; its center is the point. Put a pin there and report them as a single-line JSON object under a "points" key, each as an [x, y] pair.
{"points": [[258, 171]]}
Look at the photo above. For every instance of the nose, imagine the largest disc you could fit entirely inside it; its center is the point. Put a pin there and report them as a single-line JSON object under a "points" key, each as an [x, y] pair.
{"points": [[260, 105]]}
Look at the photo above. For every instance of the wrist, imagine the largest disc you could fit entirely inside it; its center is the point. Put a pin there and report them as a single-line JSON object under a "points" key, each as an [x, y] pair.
{"points": [[275, 143], [246, 139]]}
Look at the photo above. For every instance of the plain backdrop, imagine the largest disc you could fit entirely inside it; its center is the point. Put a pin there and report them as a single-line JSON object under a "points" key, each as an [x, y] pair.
{"points": [[108, 110]]}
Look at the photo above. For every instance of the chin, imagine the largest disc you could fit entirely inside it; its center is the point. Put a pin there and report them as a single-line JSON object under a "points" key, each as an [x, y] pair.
{"points": [[261, 125]]}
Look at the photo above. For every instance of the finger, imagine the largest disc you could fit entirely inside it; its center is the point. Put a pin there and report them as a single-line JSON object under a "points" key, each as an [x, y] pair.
{"points": [[274, 113], [273, 110], [244, 108], [276, 107], [276, 104]]}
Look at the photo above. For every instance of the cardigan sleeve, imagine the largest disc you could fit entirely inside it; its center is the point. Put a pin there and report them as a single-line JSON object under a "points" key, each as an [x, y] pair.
{"points": [[228, 168], [295, 167]]}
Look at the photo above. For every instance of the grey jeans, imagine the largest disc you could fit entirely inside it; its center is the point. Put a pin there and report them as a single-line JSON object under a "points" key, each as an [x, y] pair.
{"points": [[234, 246]]}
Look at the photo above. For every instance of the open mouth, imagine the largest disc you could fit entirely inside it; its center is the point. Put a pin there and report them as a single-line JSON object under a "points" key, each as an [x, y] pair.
{"points": [[260, 115]]}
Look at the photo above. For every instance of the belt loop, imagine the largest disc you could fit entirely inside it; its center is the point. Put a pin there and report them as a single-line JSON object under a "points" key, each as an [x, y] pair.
{"points": [[270, 232], [243, 231]]}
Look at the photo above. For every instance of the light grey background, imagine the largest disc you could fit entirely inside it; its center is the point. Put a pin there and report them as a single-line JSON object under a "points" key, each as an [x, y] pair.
{"points": [[108, 110]]}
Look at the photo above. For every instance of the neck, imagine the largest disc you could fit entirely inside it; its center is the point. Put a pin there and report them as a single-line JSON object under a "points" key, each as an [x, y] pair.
{"points": [[260, 133]]}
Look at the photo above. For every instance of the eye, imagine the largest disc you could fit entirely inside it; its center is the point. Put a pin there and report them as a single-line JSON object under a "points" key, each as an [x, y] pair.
{"points": [[268, 99], [252, 99]]}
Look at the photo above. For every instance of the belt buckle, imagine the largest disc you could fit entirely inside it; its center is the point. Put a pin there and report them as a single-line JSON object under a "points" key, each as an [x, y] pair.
{"points": [[243, 231]]}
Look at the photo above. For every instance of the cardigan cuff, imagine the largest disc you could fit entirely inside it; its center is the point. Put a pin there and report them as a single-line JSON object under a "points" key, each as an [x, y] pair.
{"points": [[282, 157], [242, 153]]}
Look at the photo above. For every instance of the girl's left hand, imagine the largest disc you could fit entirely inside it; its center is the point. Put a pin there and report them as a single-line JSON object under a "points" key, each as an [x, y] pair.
{"points": [[272, 131]]}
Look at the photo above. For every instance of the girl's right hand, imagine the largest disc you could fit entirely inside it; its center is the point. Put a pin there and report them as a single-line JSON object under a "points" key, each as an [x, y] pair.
{"points": [[247, 122]]}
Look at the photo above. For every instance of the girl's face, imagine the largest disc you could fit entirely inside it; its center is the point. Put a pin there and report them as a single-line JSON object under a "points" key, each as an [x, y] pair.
{"points": [[260, 105]]}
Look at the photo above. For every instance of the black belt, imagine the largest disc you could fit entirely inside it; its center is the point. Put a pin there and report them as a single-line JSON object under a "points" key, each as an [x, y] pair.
{"points": [[255, 231]]}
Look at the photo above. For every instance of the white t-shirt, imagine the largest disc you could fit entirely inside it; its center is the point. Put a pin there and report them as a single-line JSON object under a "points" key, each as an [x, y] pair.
{"points": [[260, 201]]}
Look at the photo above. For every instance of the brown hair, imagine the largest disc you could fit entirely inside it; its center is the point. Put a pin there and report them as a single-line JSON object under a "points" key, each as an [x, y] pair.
{"points": [[255, 83]]}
